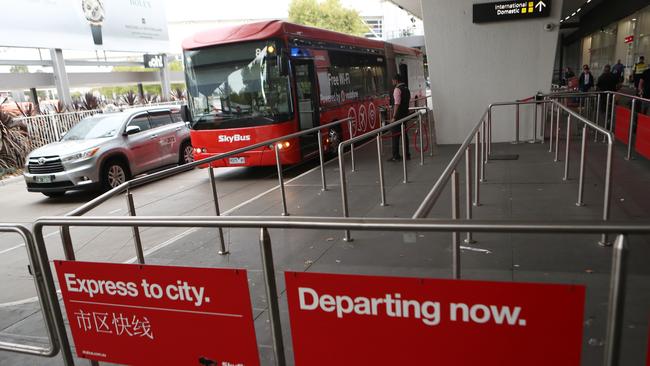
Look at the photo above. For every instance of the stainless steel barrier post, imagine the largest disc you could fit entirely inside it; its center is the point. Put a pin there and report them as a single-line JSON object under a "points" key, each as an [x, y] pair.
{"points": [[612, 115], [477, 163], [382, 190], [616, 302], [322, 162], [455, 236], [351, 145], [344, 190], [550, 130], [421, 133], [136, 231], [544, 120], [66, 239], [431, 132], [581, 179], [628, 156], [489, 137], [272, 297], [468, 190], [485, 151], [608, 190], [215, 197], [281, 180], [605, 123], [534, 139], [567, 147], [516, 124], [597, 117], [481, 153], [404, 137], [557, 135]]}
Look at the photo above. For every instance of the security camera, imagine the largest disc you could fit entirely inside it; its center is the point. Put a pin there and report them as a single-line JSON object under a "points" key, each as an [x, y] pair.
{"points": [[549, 27]]}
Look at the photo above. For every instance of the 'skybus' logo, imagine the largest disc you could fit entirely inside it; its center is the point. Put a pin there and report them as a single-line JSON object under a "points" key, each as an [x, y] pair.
{"points": [[234, 138]]}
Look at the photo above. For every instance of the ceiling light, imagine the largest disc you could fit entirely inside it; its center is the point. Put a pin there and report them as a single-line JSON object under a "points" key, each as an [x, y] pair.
{"points": [[567, 18], [574, 14], [634, 19], [588, 1], [577, 11]]}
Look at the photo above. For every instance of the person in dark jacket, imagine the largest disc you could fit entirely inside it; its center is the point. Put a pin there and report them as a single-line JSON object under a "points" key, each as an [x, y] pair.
{"points": [[586, 80], [401, 100], [607, 81]]}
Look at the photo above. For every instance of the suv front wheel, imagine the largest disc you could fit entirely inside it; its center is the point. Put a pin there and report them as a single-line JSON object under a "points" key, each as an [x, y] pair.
{"points": [[114, 174]]}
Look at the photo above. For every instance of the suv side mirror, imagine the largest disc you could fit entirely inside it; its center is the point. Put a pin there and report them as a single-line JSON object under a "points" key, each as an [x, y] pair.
{"points": [[130, 130], [185, 113]]}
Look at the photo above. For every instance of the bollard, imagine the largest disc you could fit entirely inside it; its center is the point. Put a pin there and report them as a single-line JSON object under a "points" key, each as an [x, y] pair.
{"points": [[616, 302], [468, 190], [278, 163], [516, 125], [344, 190], [322, 162], [136, 231], [477, 148], [567, 147], [455, 236], [557, 135], [421, 133], [403, 138], [382, 190], [215, 198], [351, 145], [628, 156], [581, 179], [272, 297]]}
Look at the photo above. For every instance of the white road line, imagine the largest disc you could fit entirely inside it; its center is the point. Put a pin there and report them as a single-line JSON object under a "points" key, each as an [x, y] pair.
{"points": [[23, 244], [157, 308], [24, 301]]}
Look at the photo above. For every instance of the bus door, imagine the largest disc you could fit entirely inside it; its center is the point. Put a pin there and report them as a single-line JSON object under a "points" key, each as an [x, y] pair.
{"points": [[307, 95]]}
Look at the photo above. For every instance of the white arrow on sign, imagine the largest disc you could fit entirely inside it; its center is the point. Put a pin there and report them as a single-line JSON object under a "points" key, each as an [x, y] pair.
{"points": [[540, 5]]}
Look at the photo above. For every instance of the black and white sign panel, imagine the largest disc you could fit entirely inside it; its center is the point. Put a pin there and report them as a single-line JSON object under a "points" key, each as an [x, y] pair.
{"points": [[511, 10]]}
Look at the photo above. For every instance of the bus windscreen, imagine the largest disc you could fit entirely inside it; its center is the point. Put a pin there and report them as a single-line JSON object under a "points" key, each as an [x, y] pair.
{"points": [[238, 85]]}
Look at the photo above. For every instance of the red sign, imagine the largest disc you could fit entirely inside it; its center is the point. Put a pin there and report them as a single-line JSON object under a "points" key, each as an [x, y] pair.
{"points": [[642, 142], [372, 320], [158, 315], [629, 39], [622, 124]]}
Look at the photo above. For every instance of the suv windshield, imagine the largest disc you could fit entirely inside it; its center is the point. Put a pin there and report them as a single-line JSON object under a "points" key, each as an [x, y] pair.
{"points": [[237, 86], [95, 127]]}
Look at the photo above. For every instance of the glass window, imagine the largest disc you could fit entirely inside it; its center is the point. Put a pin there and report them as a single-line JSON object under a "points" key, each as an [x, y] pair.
{"points": [[176, 116], [159, 119], [141, 121], [352, 76], [237, 86], [95, 127]]}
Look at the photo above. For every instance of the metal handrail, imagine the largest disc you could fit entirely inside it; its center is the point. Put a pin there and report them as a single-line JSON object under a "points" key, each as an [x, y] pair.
{"points": [[617, 278], [47, 299], [483, 144], [377, 134], [128, 185]]}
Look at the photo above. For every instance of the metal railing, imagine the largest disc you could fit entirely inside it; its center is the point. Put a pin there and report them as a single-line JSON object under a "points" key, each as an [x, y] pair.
{"points": [[481, 134], [128, 185], [592, 101], [617, 276], [378, 138], [47, 297]]}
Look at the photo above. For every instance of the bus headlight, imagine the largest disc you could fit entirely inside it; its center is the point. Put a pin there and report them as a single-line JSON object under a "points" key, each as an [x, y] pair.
{"points": [[200, 150]]}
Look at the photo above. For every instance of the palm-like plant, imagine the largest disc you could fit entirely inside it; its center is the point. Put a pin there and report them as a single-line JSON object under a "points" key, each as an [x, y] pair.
{"points": [[150, 98], [13, 142], [90, 102], [178, 94], [27, 110], [60, 107], [130, 98]]}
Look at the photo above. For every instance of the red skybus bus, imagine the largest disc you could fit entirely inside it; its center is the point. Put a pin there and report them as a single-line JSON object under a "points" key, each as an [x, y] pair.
{"points": [[255, 82]]}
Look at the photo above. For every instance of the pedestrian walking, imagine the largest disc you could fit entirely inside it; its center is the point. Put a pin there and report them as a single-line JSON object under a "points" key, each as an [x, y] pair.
{"points": [[586, 80], [619, 70], [638, 70]]}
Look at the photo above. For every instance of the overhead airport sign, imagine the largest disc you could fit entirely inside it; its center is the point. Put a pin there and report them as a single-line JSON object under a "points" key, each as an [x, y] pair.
{"points": [[511, 10], [378, 320], [109, 25]]}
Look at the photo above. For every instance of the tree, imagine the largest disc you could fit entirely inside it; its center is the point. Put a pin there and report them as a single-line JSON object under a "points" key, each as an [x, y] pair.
{"points": [[18, 69], [328, 14]]}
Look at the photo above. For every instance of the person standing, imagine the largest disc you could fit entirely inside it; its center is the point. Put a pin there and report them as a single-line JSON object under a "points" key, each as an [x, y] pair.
{"points": [[568, 74], [401, 101], [607, 81], [638, 70], [586, 80], [644, 90], [619, 70]]}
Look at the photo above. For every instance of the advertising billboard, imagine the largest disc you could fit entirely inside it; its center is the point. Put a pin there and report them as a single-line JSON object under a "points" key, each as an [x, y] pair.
{"points": [[115, 25]]}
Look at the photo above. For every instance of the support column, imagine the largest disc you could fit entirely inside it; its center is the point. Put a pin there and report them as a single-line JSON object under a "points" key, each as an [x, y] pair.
{"points": [[164, 80], [60, 76]]}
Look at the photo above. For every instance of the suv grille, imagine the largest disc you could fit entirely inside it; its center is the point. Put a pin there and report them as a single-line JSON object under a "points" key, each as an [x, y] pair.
{"points": [[50, 164]]}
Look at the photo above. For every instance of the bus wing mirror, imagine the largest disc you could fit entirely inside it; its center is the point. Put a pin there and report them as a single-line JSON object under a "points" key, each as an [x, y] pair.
{"points": [[185, 113]]}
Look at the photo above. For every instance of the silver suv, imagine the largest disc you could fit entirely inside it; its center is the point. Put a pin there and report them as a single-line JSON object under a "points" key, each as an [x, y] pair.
{"points": [[105, 150]]}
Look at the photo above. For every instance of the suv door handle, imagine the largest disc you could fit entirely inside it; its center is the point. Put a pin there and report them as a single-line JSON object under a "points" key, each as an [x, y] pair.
{"points": [[152, 137], [177, 129]]}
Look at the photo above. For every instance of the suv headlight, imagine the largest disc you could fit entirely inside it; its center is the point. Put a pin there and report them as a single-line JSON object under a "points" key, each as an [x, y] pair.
{"points": [[80, 155]]}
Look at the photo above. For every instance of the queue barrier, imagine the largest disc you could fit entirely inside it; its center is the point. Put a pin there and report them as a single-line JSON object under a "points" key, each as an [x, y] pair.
{"points": [[642, 141], [47, 298], [617, 277]]}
